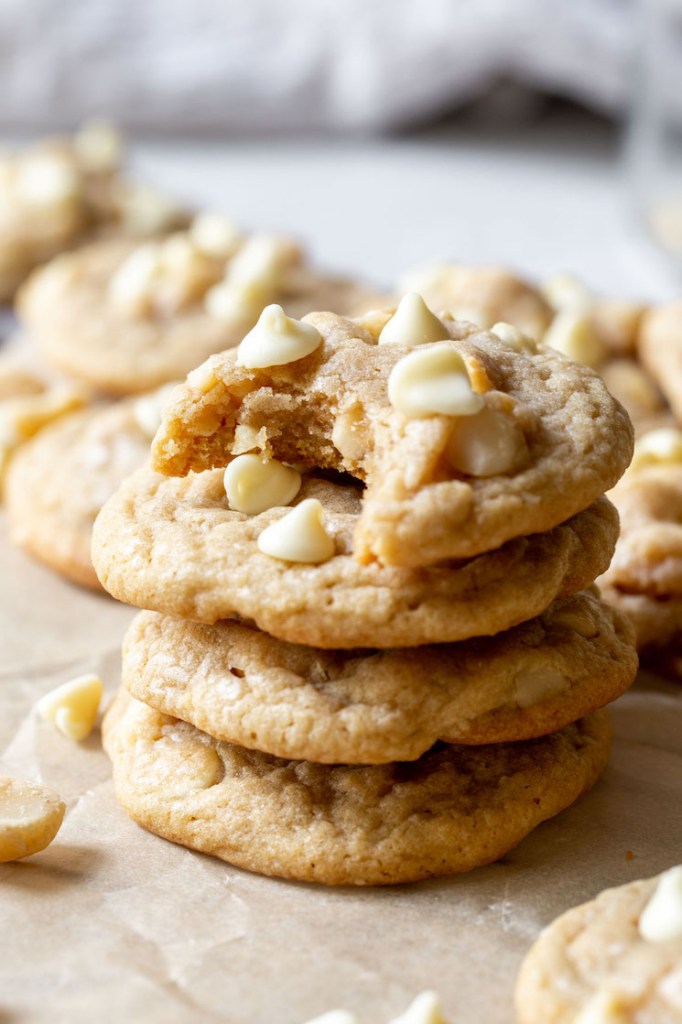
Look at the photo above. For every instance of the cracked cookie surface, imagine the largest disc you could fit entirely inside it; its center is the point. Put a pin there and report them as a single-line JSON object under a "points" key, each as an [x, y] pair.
{"points": [[331, 410], [452, 810], [369, 707], [173, 545], [80, 330]]}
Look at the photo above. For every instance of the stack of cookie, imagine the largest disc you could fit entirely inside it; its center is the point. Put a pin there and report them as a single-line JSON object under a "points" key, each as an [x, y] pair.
{"points": [[370, 651]]}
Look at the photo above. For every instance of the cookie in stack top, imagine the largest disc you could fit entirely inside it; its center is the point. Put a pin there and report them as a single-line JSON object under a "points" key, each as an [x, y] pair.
{"points": [[371, 652]]}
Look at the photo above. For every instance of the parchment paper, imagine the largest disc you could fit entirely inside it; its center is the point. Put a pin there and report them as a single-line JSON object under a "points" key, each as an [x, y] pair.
{"points": [[111, 923]]}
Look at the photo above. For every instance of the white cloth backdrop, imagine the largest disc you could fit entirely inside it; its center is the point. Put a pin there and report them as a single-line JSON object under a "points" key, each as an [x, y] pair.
{"points": [[263, 65]]}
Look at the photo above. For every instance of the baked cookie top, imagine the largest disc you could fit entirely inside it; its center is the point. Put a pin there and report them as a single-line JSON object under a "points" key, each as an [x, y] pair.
{"points": [[615, 959], [520, 440], [452, 810], [127, 317], [484, 295], [59, 191], [56, 484], [172, 544], [368, 707]]}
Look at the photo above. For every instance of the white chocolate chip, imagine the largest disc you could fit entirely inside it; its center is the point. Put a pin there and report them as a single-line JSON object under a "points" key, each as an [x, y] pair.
{"points": [[413, 323], [99, 147], [563, 291], [260, 261], [247, 438], [229, 304], [512, 336], [670, 989], [335, 1017], [131, 287], [489, 443], [253, 279], [658, 447], [299, 536], [572, 333], [30, 817], [424, 1009], [432, 381], [148, 409], [72, 707], [47, 181], [661, 919], [538, 683], [215, 235], [144, 211], [351, 435], [254, 484], [178, 254], [603, 1008], [277, 339]]}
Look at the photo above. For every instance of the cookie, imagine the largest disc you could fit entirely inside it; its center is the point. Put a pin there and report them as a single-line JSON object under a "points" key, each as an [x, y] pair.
{"points": [[648, 557], [28, 403], [660, 349], [637, 392], [172, 545], [368, 707], [56, 484], [602, 333], [644, 579], [126, 318], [452, 810], [611, 960], [562, 438], [657, 621], [482, 295], [58, 192]]}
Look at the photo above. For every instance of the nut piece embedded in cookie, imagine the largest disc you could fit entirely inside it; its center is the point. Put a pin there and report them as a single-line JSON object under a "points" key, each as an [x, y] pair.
{"points": [[254, 484], [299, 537], [30, 817], [72, 707], [277, 339], [661, 919], [413, 323], [488, 443], [433, 381]]}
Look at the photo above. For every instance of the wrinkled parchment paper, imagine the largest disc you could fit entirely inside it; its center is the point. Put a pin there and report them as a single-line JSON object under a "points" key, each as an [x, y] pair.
{"points": [[111, 923]]}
